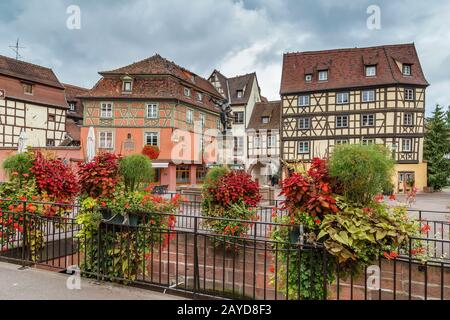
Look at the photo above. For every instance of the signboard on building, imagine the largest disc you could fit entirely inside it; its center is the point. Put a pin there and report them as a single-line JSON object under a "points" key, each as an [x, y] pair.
{"points": [[2, 94]]}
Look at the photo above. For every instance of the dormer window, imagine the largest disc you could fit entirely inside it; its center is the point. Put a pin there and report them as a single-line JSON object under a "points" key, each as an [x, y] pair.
{"points": [[72, 106], [187, 92], [199, 96], [406, 69], [27, 88], [371, 71], [127, 84], [308, 77], [323, 75], [240, 93], [265, 120]]}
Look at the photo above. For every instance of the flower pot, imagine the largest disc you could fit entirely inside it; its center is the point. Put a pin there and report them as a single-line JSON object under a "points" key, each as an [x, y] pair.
{"points": [[127, 219]]}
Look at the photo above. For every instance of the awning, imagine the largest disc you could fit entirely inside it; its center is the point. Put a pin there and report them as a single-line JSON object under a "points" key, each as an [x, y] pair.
{"points": [[159, 165]]}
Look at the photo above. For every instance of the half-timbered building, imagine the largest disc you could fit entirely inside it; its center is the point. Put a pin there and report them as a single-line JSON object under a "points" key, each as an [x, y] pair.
{"points": [[358, 95], [31, 100], [242, 92], [155, 102], [263, 141]]}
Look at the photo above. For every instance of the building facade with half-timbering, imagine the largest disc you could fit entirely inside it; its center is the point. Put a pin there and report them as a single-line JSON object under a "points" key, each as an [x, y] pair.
{"points": [[32, 100], [358, 95], [155, 102]]}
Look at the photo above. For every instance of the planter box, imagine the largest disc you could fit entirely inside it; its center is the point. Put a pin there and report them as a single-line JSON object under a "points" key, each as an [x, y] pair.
{"points": [[128, 220]]}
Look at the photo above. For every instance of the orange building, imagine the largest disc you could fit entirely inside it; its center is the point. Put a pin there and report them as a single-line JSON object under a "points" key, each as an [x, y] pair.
{"points": [[155, 102]]}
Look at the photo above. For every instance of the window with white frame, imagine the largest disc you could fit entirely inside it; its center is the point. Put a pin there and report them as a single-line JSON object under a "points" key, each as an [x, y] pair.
{"points": [[151, 138], [371, 71], [303, 147], [72, 106], [238, 146], [368, 95], [218, 124], [257, 142], [341, 141], [106, 110], [199, 96], [303, 123], [303, 100], [408, 119], [342, 97], [187, 92], [323, 75], [366, 141], [240, 93], [368, 120], [189, 116], [409, 94], [106, 140], [406, 69], [341, 121], [265, 120], [239, 117], [152, 110], [202, 120], [127, 86], [271, 142], [406, 145]]}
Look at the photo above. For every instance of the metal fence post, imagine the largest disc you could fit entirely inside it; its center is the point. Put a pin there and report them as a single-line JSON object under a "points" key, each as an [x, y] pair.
{"points": [[196, 266], [24, 233]]}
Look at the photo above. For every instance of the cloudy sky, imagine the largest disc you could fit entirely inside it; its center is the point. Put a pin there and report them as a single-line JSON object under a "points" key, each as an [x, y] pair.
{"points": [[236, 37]]}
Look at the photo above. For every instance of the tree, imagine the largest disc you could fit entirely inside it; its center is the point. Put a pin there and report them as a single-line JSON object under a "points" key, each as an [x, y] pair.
{"points": [[135, 170], [437, 148]]}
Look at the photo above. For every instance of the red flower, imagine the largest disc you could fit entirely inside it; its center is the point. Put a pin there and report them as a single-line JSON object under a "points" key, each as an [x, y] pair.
{"points": [[379, 198], [272, 269], [392, 197], [103, 204], [425, 228], [15, 173], [317, 221]]}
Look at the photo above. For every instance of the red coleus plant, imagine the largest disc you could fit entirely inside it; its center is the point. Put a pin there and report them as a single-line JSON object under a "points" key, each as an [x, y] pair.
{"points": [[236, 186], [310, 192], [54, 178], [151, 151], [99, 177]]}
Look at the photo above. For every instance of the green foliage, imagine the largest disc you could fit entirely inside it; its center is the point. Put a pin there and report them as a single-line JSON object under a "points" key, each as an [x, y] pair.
{"points": [[18, 166], [213, 176], [358, 236], [135, 170], [361, 170], [437, 147]]}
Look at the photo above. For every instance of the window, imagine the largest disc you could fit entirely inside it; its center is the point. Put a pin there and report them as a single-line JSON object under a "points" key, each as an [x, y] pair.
{"points": [[106, 140], [106, 110], [151, 138], [187, 92], [183, 174], [238, 146], [199, 96], [265, 120], [308, 77], [240, 93], [51, 118], [408, 119], [342, 97], [303, 147], [126, 86], [27, 88], [239, 117], [341, 141], [303, 100], [409, 94], [50, 143], [406, 69], [202, 120], [371, 71], [189, 116], [368, 120], [368, 141], [303, 123], [368, 95], [323, 75], [218, 124], [257, 142], [152, 110], [341, 121], [271, 142], [200, 174], [72, 106], [406, 145]]}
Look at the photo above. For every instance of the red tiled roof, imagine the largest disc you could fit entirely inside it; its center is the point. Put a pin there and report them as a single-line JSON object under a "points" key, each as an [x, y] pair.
{"points": [[72, 93], [271, 109], [72, 129], [28, 71], [231, 85], [346, 68]]}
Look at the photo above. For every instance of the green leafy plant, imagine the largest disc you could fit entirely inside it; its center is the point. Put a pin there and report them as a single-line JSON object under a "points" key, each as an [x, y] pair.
{"points": [[361, 170], [135, 170], [18, 166]]}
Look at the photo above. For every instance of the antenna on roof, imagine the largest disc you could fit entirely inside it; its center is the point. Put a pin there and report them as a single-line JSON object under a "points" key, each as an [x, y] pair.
{"points": [[16, 49]]}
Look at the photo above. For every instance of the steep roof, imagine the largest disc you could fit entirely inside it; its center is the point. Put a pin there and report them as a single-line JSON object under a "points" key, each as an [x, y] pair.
{"points": [[346, 68], [157, 65], [28, 72], [72, 93], [271, 109], [231, 85]]}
